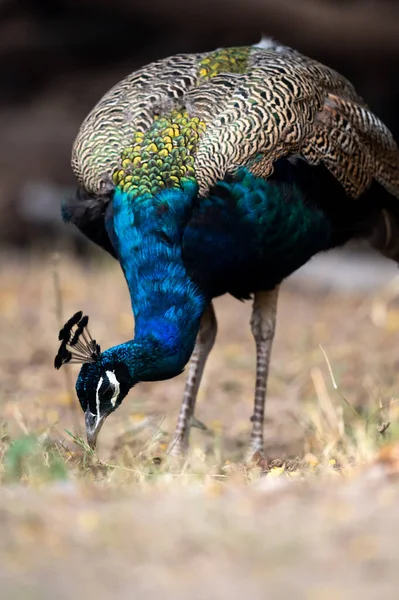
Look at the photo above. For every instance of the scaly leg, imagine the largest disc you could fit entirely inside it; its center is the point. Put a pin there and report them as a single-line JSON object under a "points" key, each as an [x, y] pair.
{"points": [[205, 340], [263, 324]]}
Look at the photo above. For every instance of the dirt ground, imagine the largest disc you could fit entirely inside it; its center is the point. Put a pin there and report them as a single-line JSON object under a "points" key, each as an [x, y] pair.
{"points": [[319, 520]]}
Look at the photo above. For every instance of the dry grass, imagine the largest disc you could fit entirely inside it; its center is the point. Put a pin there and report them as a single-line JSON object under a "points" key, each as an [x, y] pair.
{"points": [[131, 524]]}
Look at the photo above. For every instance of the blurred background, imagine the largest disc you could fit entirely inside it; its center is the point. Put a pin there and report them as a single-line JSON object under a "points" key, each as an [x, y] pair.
{"points": [[57, 57]]}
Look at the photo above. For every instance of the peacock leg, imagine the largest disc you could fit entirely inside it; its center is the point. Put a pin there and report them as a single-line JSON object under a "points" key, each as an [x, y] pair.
{"points": [[205, 340], [263, 325]]}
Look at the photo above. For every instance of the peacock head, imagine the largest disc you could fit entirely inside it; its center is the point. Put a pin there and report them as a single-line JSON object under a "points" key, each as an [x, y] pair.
{"points": [[104, 379]]}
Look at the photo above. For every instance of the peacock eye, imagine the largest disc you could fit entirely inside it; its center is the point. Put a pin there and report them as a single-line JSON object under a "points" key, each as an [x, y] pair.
{"points": [[107, 390]]}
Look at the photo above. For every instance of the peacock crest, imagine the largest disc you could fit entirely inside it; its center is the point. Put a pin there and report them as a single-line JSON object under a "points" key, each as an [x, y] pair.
{"points": [[77, 345]]}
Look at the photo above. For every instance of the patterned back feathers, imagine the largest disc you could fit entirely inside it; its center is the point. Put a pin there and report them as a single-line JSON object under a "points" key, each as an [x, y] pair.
{"points": [[202, 116]]}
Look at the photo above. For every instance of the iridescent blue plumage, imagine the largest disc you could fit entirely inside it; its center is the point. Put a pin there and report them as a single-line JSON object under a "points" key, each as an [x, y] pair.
{"points": [[178, 252], [167, 305], [249, 234]]}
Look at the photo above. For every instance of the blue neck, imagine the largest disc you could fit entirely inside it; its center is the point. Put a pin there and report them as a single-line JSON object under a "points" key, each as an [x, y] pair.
{"points": [[167, 306]]}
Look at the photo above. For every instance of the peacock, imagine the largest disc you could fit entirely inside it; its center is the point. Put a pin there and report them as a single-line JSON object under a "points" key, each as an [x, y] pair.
{"points": [[219, 173]]}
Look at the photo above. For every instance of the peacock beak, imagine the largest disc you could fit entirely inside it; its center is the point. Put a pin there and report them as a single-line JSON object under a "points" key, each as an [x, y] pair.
{"points": [[93, 427]]}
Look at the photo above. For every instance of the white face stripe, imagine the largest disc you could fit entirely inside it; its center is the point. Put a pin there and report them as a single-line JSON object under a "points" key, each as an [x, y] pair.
{"points": [[115, 383], [116, 387], [98, 398]]}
